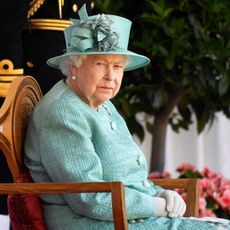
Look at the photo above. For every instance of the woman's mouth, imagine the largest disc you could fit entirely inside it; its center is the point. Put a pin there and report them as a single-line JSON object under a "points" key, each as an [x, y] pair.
{"points": [[106, 87]]}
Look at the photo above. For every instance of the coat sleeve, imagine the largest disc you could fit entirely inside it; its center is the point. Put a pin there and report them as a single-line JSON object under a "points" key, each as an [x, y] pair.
{"points": [[69, 155]]}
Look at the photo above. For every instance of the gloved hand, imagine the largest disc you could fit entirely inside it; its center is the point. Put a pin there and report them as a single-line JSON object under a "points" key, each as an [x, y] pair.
{"points": [[175, 205], [160, 206]]}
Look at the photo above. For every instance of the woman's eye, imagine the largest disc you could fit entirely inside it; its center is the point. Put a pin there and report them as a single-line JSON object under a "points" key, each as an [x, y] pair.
{"points": [[118, 67], [100, 63]]}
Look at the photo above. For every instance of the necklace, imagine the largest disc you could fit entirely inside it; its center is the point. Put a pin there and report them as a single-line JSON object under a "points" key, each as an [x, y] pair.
{"points": [[70, 86], [68, 83]]}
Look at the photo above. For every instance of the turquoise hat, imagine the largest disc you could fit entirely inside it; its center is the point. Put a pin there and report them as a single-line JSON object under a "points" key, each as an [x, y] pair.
{"points": [[99, 34]]}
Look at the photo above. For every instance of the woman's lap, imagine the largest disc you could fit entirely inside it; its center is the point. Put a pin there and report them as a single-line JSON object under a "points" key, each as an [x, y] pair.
{"points": [[62, 218]]}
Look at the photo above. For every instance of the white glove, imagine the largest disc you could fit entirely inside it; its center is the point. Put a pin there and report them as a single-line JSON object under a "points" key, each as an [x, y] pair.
{"points": [[175, 205], [160, 206]]}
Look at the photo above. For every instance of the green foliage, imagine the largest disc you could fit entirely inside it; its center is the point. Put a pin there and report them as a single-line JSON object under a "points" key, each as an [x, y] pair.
{"points": [[188, 43], [191, 174]]}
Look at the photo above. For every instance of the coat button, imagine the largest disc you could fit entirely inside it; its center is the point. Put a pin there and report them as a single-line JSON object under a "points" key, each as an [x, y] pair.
{"points": [[140, 220], [140, 160], [113, 125], [132, 221], [74, 8]]}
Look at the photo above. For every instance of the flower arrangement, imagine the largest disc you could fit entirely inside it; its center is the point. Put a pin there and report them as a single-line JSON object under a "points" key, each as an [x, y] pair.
{"points": [[214, 190]]}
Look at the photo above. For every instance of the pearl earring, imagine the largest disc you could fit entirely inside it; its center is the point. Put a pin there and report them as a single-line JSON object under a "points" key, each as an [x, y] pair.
{"points": [[73, 77]]}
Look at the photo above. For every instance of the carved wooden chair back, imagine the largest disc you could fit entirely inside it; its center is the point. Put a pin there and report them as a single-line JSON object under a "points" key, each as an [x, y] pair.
{"points": [[23, 94]]}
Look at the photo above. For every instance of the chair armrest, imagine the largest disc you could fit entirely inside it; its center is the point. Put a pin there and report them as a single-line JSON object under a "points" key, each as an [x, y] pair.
{"points": [[116, 189], [191, 187]]}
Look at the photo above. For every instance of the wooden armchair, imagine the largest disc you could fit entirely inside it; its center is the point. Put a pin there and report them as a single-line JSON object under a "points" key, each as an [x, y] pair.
{"points": [[22, 96]]}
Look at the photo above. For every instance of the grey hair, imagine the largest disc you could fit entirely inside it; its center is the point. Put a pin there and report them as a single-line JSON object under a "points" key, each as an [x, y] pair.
{"points": [[127, 60], [76, 60]]}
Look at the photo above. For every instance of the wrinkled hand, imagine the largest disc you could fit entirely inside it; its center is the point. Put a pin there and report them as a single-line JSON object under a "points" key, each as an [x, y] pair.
{"points": [[175, 205]]}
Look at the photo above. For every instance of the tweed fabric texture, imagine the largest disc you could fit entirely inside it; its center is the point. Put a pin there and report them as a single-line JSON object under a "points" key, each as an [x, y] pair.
{"points": [[69, 141]]}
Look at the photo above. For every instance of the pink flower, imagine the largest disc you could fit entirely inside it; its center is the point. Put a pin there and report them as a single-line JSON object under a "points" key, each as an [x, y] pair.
{"points": [[154, 175], [205, 183], [207, 212], [212, 175], [202, 203], [225, 199], [166, 174], [224, 185], [184, 167]]}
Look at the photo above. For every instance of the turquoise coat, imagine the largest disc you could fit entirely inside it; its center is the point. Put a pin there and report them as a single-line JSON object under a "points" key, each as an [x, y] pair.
{"points": [[68, 141]]}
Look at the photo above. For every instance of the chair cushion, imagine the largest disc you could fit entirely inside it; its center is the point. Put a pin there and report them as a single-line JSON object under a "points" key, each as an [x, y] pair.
{"points": [[25, 211]]}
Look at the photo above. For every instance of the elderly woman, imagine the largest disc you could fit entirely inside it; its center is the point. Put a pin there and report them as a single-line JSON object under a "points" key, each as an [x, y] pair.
{"points": [[76, 134]]}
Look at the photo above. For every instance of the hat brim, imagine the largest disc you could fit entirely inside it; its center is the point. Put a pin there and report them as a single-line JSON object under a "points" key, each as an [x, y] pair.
{"points": [[136, 60]]}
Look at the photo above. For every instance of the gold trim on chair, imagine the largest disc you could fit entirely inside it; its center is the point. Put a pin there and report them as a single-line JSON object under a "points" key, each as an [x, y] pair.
{"points": [[34, 6], [60, 5], [7, 74], [48, 24], [7, 68]]}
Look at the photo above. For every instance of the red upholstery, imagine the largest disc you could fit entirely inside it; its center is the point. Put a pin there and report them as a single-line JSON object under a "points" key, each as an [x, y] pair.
{"points": [[25, 211]]}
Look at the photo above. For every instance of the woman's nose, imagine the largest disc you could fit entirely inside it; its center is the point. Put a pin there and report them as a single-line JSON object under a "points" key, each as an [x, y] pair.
{"points": [[110, 74]]}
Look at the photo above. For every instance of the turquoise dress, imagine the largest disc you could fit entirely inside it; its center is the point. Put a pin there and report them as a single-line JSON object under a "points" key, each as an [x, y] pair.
{"points": [[68, 141]]}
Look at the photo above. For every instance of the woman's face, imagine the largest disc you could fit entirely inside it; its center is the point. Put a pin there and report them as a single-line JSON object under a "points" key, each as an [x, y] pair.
{"points": [[98, 78]]}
